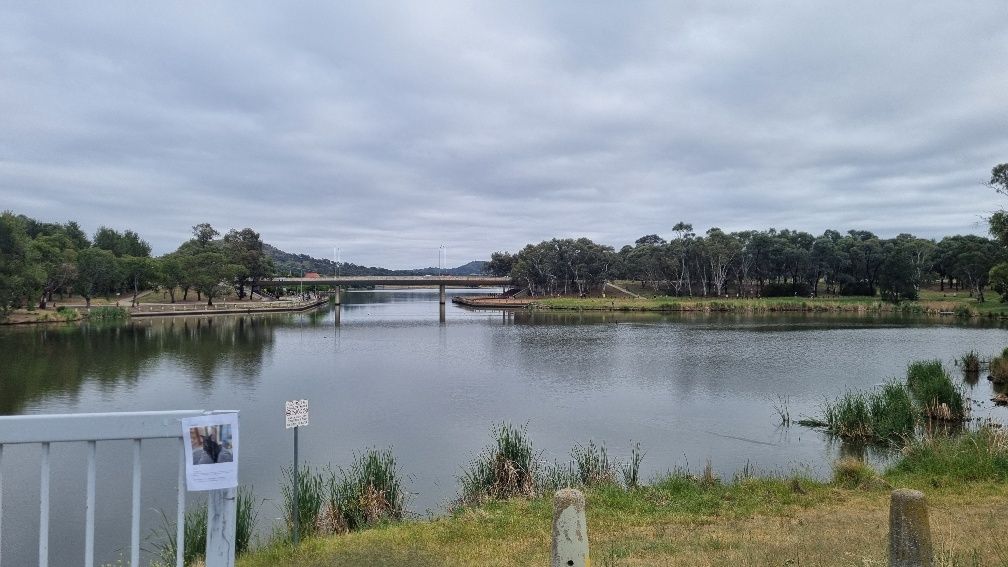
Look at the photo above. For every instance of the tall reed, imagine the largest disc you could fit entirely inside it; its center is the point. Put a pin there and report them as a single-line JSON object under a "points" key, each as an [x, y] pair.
{"points": [[370, 491], [933, 389], [505, 469], [310, 498]]}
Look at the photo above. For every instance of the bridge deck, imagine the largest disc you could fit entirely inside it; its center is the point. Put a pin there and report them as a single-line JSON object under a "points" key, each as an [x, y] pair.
{"points": [[460, 281]]}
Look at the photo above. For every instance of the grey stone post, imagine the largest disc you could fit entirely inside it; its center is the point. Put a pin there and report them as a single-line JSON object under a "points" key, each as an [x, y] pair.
{"points": [[909, 530], [441, 289], [570, 529]]}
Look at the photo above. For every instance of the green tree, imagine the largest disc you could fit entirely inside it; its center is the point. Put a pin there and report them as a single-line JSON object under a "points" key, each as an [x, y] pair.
{"points": [[244, 249], [211, 274], [138, 272], [97, 270], [170, 273], [14, 262]]}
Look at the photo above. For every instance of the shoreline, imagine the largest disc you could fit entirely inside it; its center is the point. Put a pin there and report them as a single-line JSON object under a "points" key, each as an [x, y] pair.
{"points": [[48, 317], [668, 304]]}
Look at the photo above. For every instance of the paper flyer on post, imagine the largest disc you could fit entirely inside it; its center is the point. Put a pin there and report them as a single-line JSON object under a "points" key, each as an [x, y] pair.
{"points": [[211, 443]]}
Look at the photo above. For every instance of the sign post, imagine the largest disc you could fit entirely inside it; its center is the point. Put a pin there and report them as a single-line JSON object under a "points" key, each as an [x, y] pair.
{"points": [[296, 415]]}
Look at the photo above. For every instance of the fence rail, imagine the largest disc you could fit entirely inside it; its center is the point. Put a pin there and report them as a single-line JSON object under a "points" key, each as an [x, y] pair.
{"points": [[91, 428]]}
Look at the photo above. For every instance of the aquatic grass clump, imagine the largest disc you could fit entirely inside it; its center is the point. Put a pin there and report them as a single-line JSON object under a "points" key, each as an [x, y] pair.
{"points": [[893, 413], [369, 492], [970, 362], [505, 469], [310, 498], [594, 468], [848, 416], [880, 415], [246, 518], [999, 368], [933, 389]]}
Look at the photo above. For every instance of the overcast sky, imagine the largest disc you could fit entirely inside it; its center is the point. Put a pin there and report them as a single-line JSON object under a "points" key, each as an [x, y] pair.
{"points": [[389, 128]]}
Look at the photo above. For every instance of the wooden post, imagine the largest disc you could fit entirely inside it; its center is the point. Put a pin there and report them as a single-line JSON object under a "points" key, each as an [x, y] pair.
{"points": [[221, 511], [570, 529]]}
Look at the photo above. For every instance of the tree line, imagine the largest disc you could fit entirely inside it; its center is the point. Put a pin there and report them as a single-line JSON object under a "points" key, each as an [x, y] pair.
{"points": [[39, 260], [754, 263]]}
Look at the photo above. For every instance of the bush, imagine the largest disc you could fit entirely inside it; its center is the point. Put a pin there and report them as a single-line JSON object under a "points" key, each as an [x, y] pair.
{"points": [[107, 314], [786, 290], [933, 389], [857, 288], [503, 470]]}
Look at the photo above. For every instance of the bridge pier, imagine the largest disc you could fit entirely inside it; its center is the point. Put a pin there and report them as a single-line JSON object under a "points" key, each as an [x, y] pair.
{"points": [[442, 292], [336, 294], [441, 300]]}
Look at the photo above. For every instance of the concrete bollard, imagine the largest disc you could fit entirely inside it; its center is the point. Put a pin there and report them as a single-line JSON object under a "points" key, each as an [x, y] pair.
{"points": [[909, 530], [570, 529]]}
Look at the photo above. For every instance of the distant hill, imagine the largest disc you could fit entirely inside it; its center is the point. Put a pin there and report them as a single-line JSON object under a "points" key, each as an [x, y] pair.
{"points": [[294, 264]]}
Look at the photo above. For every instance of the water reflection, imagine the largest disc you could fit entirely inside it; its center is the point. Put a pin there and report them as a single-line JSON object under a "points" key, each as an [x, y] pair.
{"points": [[57, 361]]}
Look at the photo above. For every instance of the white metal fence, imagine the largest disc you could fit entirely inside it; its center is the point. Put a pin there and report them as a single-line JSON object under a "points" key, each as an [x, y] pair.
{"points": [[135, 426]]}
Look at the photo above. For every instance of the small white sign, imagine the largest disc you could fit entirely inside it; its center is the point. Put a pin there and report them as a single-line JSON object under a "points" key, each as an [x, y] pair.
{"points": [[211, 443], [296, 412]]}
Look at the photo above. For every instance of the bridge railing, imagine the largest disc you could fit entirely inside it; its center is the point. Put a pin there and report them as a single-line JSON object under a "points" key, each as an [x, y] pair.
{"points": [[92, 428]]}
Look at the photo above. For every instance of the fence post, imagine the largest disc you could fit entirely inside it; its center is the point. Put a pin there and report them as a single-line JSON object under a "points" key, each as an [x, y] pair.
{"points": [[570, 529], [221, 510], [909, 530]]}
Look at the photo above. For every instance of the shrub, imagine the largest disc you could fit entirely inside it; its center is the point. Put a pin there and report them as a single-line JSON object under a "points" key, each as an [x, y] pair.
{"points": [[503, 470], [786, 290], [107, 313], [933, 389]]}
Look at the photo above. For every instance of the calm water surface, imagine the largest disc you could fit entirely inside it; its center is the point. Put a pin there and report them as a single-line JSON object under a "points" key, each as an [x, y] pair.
{"points": [[688, 388]]}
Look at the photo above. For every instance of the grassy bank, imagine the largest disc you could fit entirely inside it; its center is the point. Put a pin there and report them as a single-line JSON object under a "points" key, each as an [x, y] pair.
{"points": [[698, 519], [930, 303]]}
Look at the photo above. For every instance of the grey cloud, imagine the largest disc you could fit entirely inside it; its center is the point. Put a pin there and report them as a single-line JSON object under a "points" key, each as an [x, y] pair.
{"points": [[387, 129]]}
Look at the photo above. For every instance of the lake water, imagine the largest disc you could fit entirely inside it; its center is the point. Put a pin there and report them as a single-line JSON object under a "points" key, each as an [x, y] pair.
{"points": [[688, 388]]}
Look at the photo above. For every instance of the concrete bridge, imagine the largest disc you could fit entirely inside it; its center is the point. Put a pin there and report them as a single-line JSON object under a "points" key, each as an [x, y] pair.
{"points": [[441, 282]]}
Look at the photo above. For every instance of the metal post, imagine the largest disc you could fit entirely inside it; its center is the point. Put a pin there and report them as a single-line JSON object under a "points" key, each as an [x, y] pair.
{"points": [[135, 527], [297, 481], [43, 540], [89, 508], [1, 494], [180, 507]]}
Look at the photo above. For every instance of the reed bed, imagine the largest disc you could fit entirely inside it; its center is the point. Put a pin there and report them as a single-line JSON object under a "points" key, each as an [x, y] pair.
{"points": [[933, 389]]}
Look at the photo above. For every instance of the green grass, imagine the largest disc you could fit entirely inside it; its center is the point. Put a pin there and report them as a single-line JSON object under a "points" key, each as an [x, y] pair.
{"points": [[369, 492], [931, 302], [885, 414], [695, 518], [933, 389], [107, 313], [505, 469], [939, 460], [309, 503]]}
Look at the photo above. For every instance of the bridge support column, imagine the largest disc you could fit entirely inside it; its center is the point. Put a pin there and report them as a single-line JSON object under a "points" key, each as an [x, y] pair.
{"points": [[442, 291], [441, 301], [336, 295]]}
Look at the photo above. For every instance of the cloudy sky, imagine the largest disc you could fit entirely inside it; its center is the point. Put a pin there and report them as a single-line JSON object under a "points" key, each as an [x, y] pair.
{"points": [[389, 128]]}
